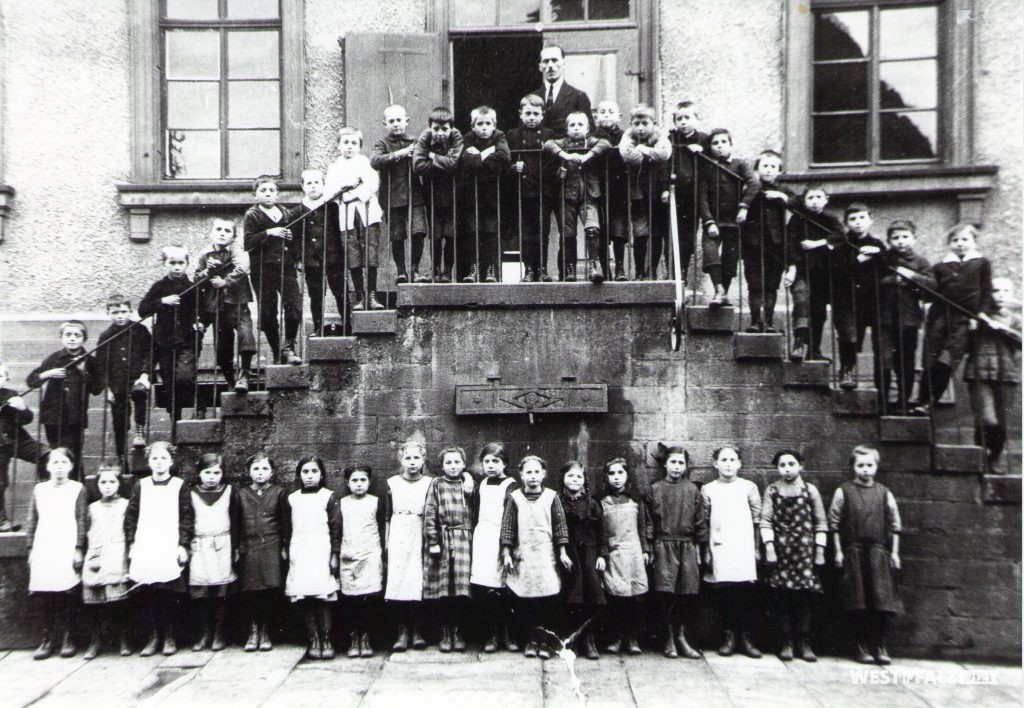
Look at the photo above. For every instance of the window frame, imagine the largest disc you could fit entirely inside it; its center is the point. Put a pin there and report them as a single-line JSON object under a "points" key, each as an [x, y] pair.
{"points": [[544, 22], [149, 104], [955, 68]]}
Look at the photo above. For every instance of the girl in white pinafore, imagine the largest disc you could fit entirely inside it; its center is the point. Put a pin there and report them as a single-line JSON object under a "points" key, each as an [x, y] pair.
{"points": [[532, 527], [214, 550], [362, 568], [733, 509], [487, 579], [407, 497], [158, 529], [55, 539], [313, 553]]}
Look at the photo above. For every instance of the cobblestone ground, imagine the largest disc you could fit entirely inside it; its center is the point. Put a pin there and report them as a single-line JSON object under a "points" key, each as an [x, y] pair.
{"points": [[428, 678]]}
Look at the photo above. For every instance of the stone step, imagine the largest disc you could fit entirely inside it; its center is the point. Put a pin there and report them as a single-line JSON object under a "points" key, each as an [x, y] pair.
{"points": [[958, 459], [806, 374], [285, 376], [894, 428], [1001, 489], [252, 404], [198, 432], [530, 295], [711, 320], [770, 347], [375, 322], [321, 349], [858, 402]]}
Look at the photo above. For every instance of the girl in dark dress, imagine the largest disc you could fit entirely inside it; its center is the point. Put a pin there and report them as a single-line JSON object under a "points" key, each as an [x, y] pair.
{"points": [[794, 532], [865, 523], [581, 586]]}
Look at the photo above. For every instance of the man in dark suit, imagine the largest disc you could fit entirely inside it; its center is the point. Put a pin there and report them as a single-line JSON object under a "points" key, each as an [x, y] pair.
{"points": [[560, 99]]}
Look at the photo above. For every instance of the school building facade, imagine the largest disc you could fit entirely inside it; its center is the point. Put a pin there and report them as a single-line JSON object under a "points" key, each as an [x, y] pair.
{"points": [[127, 124]]}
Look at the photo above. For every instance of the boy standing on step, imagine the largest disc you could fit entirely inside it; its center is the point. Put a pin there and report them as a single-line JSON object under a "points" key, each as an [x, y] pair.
{"points": [[485, 158], [123, 358], [436, 158], [15, 440]]}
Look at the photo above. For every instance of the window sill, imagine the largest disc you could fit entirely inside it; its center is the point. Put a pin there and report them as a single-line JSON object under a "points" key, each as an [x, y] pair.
{"points": [[860, 182]]}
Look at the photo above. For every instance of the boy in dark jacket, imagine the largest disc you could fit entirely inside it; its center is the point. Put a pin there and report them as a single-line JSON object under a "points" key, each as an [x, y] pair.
{"points": [[435, 159], [401, 192], [15, 440], [531, 187], [614, 187], [647, 150], [485, 158], [70, 376], [901, 313], [174, 302], [687, 142], [123, 360]]}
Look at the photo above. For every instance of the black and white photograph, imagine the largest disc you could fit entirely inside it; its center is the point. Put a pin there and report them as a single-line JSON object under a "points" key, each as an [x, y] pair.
{"points": [[531, 353]]}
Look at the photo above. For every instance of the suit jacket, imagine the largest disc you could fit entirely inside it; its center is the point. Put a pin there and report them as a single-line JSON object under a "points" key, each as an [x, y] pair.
{"points": [[568, 100]]}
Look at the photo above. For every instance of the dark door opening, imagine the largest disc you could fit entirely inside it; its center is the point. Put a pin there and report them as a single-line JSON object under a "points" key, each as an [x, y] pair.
{"points": [[497, 71]]}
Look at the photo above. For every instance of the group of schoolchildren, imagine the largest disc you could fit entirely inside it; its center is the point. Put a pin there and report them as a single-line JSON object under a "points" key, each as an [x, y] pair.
{"points": [[536, 564]]}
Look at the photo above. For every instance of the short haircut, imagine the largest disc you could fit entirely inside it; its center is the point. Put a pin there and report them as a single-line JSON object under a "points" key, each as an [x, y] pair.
{"points": [[642, 110], [223, 220], [259, 457], [531, 99], [612, 101], [320, 466], [358, 467], [768, 153], [685, 103], [865, 450], [1000, 280], [960, 228], [901, 225], [164, 445], [451, 450], [349, 130], [75, 324], [481, 112], [795, 454], [108, 465], [495, 449], [719, 450], [440, 114], [553, 46], [533, 458], [581, 115], [719, 131], [170, 251], [396, 105], [670, 450], [208, 460], [118, 299], [856, 208], [816, 187], [263, 179], [311, 171]]}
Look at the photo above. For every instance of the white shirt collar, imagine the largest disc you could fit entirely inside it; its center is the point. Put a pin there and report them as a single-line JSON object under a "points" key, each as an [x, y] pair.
{"points": [[275, 212], [969, 256]]}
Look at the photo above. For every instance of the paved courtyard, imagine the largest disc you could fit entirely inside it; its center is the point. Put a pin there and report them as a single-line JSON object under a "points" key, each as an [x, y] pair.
{"points": [[422, 679]]}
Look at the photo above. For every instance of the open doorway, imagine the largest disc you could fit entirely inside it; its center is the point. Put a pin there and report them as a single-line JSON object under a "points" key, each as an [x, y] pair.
{"points": [[495, 70]]}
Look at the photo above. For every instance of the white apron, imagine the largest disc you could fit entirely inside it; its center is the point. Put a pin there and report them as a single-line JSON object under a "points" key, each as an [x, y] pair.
{"points": [[309, 554], [154, 554], [210, 563], [486, 569], [361, 568], [535, 574], [731, 533], [625, 575], [405, 538], [105, 562], [51, 562]]}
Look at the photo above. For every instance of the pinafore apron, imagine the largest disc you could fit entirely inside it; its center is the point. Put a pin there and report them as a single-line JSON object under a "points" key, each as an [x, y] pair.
{"points": [[51, 562], [625, 575], [210, 562], [405, 538], [309, 554], [731, 533], [486, 568], [535, 574], [361, 568], [154, 554]]}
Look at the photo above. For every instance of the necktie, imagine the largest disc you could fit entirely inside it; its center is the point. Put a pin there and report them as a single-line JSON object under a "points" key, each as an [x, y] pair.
{"points": [[550, 99]]}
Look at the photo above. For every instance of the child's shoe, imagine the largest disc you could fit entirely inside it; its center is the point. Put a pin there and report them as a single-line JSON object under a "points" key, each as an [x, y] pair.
{"points": [[151, 645], [596, 274], [529, 276], [530, 652], [242, 383], [265, 643], [446, 640], [670, 645], [44, 650], [204, 641], [67, 647], [402, 642], [125, 648], [589, 648], [418, 642], [472, 277], [633, 646], [140, 437], [543, 652], [861, 654], [365, 648], [373, 302], [419, 278], [288, 355], [799, 353], [846, 380], [354, 645], [570, 274], [490, 277], [170, 645], [748, 648], [359, 305], [882, 655], [508, 640], [806, 653], [402, 278], [755, 327], [218, 642], [313, 648], [491, 645], [614, 648], [786, 653], [326, 648], [545, 278], [6, 526], [620, 275], [685, 650], [458, 643], [442, 277], [253, 642], [728, 647]]}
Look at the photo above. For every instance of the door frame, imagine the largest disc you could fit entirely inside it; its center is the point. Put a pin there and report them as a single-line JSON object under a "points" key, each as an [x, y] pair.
{"points": [[645, 13]]}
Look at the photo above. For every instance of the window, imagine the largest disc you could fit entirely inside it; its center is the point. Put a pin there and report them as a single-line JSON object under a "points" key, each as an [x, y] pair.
{"points": [[875, 85], [503, 13], [221, 88]]}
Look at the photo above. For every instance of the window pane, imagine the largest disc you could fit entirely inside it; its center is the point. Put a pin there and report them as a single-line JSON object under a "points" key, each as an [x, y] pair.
{"points": [[563, 10], [841, 35], [908, 136], [191, 10], [254, 104], [472, 13], [841, 87], [909, 84], [193, 104], [252, 9], [908, 32], [841, 138], [193, 54], [254, 152], [193, 154], [515, 12], [608, 9], [253, 55]]}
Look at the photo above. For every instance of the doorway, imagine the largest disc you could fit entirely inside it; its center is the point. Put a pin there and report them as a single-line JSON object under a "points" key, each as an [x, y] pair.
{"points": [[493, 70]]}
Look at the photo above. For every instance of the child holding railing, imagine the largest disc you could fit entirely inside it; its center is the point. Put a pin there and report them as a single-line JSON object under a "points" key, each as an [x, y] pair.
{"points": [[15, 440], [646, 150]]}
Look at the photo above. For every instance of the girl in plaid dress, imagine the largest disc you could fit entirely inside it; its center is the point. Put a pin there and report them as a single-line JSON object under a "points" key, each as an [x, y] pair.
{"points": [[794, 530], [448, 533]]}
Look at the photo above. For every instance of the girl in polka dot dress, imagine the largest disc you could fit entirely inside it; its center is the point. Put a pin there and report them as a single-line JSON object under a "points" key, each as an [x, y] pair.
{"points": [[795, 531]]}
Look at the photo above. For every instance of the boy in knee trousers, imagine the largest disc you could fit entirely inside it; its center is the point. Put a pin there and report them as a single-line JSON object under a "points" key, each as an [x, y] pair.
{"points": [[124, 359], [687, 143], [484, 159], [531, 186], [403, 192], [273, 273], [614, 188], [436, 159], [225, 299], [647, 150]]}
